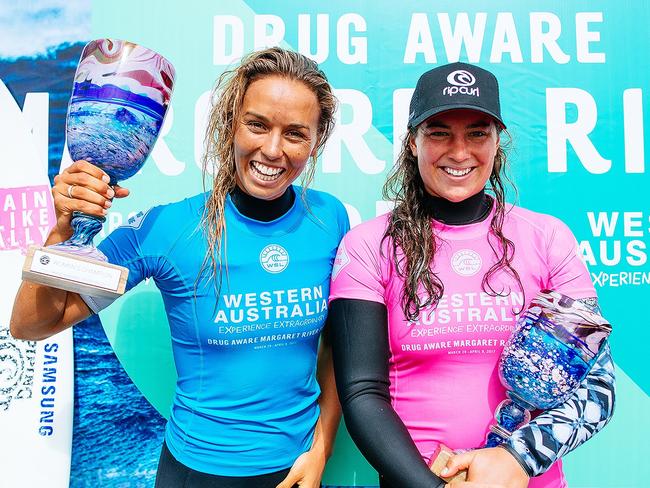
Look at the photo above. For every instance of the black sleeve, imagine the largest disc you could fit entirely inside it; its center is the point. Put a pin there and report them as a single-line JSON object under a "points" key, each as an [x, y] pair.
{"points": [[359, 334]]}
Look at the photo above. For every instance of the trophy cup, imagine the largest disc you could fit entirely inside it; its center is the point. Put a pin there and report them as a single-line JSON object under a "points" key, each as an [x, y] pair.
{"points": [[120, 96], [552, 349]]}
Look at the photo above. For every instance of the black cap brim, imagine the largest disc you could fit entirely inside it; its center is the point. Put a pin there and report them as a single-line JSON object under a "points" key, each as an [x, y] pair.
{"points": [[454, 106]]}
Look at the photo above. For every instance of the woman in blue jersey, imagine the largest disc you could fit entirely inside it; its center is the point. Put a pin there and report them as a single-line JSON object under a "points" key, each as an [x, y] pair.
{"points": [[244, 274]]}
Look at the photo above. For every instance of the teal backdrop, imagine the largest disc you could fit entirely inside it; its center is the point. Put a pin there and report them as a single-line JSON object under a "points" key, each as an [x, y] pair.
{"points": [[574, 80]]}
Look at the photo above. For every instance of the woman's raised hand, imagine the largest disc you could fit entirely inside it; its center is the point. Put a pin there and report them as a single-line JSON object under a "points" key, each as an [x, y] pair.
{"points": [[82, 187]]}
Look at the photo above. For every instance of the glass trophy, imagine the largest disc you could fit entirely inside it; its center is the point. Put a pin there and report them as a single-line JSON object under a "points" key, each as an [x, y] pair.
{"points": [[119, 99], [552, 349]]}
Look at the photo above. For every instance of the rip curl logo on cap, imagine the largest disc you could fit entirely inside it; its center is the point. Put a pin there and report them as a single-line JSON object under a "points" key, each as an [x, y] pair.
{"points": [[274, 258], [461, 77], [466, 262], [461, 80]]}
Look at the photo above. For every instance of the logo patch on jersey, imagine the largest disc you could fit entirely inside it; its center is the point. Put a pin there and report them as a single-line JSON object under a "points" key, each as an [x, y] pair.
{"points": [[340, 261], [136, 220], [274, 258], [466, 262]]}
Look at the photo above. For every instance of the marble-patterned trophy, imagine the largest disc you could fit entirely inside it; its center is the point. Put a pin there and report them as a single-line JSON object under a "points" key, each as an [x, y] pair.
{"points": [[552, 349], [120, 96]]}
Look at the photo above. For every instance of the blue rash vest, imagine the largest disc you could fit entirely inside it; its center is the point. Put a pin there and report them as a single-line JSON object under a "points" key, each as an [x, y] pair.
{"points": [[245, 402]]}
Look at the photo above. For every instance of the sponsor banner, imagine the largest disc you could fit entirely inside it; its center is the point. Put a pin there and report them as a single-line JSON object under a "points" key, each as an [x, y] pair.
{"points": [[574, 98], [36, 378], [117, 434]]}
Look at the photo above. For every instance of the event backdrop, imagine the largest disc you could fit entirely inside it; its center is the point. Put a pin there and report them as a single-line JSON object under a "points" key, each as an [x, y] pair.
{"points": [[573, 77]]}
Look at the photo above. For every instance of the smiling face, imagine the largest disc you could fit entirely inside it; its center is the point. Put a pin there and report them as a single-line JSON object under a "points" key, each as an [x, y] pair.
{"points": [[276, 134], [455, 152]]}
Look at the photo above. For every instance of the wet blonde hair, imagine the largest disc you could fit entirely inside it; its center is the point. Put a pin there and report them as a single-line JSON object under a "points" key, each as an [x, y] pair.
{"points": [[219, 159]]}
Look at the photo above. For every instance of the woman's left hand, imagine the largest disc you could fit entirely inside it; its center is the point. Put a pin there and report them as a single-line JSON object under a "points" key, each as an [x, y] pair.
{"points": [[306, 471], [490, 467]]}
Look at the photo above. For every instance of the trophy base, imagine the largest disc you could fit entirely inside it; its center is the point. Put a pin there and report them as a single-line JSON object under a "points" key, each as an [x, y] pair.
{"points": [[77, 274], [439, 461]]}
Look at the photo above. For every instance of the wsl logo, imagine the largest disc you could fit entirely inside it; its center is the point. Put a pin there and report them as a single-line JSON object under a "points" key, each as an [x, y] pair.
{"points": [[274, 258], [461, 80], [466, 262]]}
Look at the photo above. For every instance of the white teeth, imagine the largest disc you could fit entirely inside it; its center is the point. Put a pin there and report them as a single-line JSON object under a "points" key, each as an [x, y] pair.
{"points": [[266, 173], [457, 172]]}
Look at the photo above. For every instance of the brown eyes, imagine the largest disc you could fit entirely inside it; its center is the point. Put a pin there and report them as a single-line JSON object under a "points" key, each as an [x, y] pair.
{"points": [[259, 127], [296, 134], [254, 125], [477, 134]]}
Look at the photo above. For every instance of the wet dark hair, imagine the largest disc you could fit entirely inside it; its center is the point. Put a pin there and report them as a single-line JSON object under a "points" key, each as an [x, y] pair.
{"points": [[414, 244]]}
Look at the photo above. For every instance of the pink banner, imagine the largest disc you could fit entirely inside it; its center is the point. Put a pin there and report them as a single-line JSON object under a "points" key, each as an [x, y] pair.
{"points": [[26, 215]]}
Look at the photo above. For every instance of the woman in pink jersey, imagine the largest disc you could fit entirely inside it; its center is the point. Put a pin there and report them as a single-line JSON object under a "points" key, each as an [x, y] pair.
{"points": [[424, 298]]}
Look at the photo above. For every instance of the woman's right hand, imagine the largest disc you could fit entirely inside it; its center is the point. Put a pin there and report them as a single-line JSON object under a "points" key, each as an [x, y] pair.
{"points": [[41, 311], [487, 468], [82, 187]]}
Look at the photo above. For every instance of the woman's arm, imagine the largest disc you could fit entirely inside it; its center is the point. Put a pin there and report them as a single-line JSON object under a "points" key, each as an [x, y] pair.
{"points": [[549, 436], [330, 408], [361, 355], [308, 468], [555, 432], [41, 311]]}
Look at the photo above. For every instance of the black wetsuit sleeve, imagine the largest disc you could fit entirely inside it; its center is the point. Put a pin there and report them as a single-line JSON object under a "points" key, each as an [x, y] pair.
{"points": [[359, 334]]}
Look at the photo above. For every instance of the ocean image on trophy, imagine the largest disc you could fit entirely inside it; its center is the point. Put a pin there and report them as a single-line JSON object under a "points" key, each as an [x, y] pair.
{"points": [[119, 100], [554, 345]]}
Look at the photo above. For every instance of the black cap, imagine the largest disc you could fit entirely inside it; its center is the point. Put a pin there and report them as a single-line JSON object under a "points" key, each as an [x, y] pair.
{"points": [[454, 86]]}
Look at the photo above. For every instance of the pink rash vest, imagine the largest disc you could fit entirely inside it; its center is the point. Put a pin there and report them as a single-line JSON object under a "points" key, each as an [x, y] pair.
{"points": [[443, 379]]}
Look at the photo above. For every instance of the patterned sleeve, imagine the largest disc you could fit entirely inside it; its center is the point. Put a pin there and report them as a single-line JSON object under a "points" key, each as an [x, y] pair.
{"points": [[552, 434]]}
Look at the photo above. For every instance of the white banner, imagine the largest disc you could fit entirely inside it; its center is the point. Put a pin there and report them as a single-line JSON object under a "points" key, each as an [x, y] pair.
{"points": [[36, 378]]}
